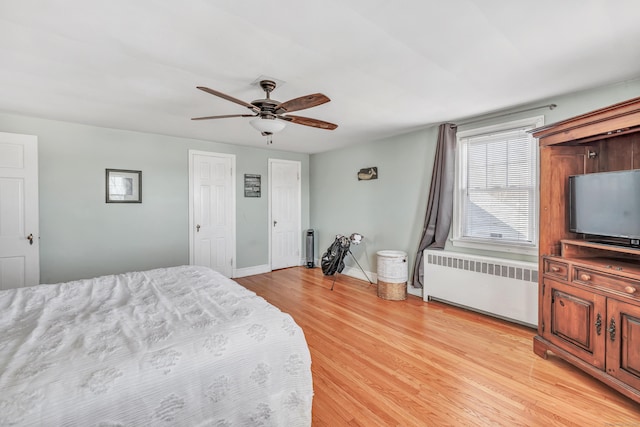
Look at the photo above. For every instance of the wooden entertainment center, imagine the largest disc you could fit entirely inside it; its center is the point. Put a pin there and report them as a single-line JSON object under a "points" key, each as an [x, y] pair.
{"points": [[589, 293]]}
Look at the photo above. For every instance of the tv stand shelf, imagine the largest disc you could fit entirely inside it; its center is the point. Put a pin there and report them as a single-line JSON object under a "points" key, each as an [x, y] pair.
{"points": [[569, 246], [588, 292]]}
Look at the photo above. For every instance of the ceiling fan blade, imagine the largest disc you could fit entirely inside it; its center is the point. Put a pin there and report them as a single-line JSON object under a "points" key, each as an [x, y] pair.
{"points": [[306, 121], [229, 98], [302, 103], [224, 117]]}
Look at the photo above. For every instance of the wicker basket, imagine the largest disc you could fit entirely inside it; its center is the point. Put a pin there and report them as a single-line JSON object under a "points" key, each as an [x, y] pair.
{"points": [[392, 291], [392, 275]]}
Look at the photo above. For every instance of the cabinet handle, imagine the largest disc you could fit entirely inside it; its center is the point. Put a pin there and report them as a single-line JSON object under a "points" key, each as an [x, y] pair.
{"points": [[599, 324], [555, 269], [612, 329], [630, 290], [585, 277]]}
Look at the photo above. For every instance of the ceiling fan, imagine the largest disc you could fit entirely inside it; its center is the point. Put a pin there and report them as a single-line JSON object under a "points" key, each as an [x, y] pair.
{"points": [[270, 114]]}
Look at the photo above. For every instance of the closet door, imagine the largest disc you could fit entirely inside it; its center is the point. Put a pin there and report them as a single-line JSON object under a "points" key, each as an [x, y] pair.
{"points": [[212, 219], [285, 212], [19, 233]]}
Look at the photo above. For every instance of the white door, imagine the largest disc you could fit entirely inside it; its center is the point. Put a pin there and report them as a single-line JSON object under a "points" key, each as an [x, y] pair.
{"points": [[212, 210], [285, 210], [19, 246]]}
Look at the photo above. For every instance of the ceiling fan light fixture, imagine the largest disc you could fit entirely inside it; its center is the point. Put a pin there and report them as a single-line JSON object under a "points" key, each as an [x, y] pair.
{"points": [[268, 113], [266, 125]]}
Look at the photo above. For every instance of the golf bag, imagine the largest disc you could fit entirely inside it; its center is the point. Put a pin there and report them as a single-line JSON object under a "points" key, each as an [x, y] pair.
{"points": [[333, 259]]}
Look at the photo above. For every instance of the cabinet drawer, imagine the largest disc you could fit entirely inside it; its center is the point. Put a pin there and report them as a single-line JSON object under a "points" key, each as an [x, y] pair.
{"points": [[589, 277], [556, 268]]}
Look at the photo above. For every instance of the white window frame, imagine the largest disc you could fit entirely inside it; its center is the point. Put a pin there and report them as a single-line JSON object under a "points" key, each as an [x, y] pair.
{"points": [[497, 245]]}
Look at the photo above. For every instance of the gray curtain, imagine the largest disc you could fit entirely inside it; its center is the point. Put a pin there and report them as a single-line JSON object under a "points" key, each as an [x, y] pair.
{"points": [[437, 221]]}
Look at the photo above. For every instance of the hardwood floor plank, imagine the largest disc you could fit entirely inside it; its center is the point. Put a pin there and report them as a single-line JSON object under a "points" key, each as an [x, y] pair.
{"points": [[411, 363]]}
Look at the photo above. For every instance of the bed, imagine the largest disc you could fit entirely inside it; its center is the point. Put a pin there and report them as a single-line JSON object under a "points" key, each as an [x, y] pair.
{"points": [[180, 346]]}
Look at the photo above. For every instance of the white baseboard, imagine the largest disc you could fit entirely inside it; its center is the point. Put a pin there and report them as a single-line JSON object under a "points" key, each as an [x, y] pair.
{"points": [[414, 291], [251, 271], [355, 272]]}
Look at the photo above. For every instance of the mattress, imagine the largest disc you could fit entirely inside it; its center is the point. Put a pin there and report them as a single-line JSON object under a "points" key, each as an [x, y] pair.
{"points": [[180, 346]]}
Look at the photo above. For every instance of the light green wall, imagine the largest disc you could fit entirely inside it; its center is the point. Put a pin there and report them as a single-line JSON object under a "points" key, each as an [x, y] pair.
{"points": [[81, 236], [390, 211], [387, 211]]}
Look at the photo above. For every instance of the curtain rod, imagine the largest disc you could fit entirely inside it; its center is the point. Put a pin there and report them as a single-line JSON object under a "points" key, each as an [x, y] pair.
{"points": [[549, 106]]}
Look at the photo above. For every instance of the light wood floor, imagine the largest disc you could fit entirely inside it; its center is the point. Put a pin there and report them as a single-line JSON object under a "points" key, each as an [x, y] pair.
{"points": [[411, 363]]}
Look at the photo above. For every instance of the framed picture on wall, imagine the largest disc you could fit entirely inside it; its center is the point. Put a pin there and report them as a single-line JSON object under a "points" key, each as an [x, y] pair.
{"points": [[252, 185], [123, 186]]}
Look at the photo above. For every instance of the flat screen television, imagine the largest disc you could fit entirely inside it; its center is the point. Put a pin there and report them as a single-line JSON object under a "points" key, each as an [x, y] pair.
{"points": [[606, 204]]}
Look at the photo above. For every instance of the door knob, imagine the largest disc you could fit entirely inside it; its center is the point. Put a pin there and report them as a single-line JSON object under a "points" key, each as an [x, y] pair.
{"points": [[274, 223], [30, 239], [198, 228]]}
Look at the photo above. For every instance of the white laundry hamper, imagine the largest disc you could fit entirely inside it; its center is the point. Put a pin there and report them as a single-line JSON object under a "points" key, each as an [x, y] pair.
{"points": [[392, 275]]}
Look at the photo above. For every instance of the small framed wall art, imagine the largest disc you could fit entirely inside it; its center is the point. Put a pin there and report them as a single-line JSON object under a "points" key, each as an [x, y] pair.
{"points": [[252, 185], [366, 174], [123, 186]]}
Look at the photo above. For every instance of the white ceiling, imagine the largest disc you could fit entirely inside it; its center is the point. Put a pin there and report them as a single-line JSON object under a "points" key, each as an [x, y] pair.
{"points": [[389, 67]]}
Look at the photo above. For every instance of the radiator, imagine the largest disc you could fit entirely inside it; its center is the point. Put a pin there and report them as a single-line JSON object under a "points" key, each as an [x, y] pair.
{"points": [[498, 287]]}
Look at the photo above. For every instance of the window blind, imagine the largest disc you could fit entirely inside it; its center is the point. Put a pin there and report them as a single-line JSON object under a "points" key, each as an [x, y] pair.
{"points": [[499, 190]]}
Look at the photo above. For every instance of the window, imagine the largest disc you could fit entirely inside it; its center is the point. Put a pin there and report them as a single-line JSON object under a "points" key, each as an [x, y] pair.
{"points": [[496, 203]]}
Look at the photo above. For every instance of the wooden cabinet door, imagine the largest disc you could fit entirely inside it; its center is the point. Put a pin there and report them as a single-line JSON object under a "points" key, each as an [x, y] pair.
{"points": [[575, 321], [623, 342], [556, 165]]}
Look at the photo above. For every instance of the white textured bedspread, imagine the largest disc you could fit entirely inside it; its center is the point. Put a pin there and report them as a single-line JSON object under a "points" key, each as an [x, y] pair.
{"points": [[180, 346]]}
